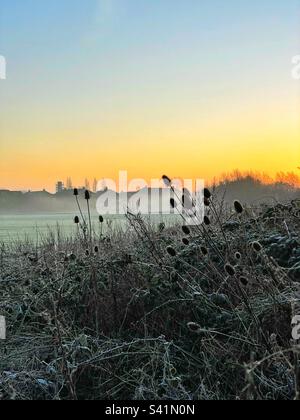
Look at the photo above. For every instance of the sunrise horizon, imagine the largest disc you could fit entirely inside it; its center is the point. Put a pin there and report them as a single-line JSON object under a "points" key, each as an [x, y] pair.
{"points": [[172, 87]]}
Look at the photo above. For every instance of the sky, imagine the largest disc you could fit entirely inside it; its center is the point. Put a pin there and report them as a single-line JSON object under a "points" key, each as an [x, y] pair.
{"points": [[190, 88]]}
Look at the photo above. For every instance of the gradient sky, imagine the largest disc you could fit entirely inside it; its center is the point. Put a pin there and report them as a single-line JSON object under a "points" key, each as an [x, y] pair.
{"points": [[190, 88]]}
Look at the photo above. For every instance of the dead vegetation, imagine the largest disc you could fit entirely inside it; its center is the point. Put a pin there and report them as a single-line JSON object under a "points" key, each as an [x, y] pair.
{"points": [[155, 313]]}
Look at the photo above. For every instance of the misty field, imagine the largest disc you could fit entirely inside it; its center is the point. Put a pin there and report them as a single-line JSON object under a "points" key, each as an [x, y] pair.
{"points": [[156, 312]]}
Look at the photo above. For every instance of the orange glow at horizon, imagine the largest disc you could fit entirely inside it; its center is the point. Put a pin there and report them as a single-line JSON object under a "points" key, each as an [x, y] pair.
{"points": [[193, 146], [185, 89]]}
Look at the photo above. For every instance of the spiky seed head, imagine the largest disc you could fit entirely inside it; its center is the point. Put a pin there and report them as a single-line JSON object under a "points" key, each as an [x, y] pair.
{"points": [[76, 220], [207, 193], [193, 327], [206, 220], [173, 203], [230, 270], [257, 247], [206, 202], [238, 255], [96, 249], [186, 230], [101, 219], [238, 207], [244, 281], [171, 251], [167, 181], [204, 250], [87, 195], [87, 252], [185, 241], [75, 192]]}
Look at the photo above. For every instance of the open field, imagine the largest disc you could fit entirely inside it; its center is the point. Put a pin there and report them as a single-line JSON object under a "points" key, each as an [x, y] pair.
{"points": [[155, 312]]}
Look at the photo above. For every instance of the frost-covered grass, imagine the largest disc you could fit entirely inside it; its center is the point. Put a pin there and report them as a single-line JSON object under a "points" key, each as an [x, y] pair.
{"points": [[155, 312]]}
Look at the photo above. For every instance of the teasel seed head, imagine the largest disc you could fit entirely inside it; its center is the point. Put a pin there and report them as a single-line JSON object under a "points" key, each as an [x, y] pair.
{"points": [[173, 203], [230, 270], [206, 202], [257, 247], [75, 192], [101, 219], [207, 193], [185, 241], [87, 252], [193, 327], [167, 181], [238, 207], [96, 249], [244, 281], [186, 230], [204, 250], [171, 251], [76, 220], [206, 220], [238, 255], [87, 195]]}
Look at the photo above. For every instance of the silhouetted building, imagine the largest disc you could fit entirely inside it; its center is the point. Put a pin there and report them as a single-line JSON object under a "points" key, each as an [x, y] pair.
{"points": [[60, 187]]}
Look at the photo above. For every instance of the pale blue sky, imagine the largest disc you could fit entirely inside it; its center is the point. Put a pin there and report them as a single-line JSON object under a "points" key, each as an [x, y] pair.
{"points": [[155, 69]]}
